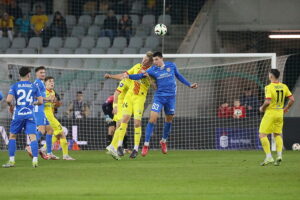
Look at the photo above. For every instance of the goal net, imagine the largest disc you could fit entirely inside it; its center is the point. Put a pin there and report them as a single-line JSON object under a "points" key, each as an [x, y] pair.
{"points": [[221, 114]]}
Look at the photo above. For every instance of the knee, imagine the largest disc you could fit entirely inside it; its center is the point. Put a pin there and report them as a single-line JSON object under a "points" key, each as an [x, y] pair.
{"points": [[153, 120], [137, 123], [261, 135], [12, 136]]}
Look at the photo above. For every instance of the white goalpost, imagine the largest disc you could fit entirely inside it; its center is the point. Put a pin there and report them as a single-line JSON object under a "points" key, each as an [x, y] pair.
{"points": [[200, 121]]}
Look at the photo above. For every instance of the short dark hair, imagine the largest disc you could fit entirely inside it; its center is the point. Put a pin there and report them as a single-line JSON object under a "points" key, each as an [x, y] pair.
{"points": [[48, 78], [275, 73], [23, 71], [39, 68], [79, 92], [157, 54]]}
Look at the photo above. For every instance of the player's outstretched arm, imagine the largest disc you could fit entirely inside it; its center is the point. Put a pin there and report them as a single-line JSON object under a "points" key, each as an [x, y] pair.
{"points": [[9, 100], [114, 76], [138, 76], [183, 80], [289, 104]]}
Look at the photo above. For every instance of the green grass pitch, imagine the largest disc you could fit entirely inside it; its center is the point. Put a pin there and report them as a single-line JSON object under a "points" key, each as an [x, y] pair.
{"points": [[178, 175]]}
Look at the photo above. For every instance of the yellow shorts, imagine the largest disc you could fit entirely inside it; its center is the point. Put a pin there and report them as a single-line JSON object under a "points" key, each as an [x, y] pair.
{"points": [[272, 122], [134, 104], [55, 124], [118, 116]]}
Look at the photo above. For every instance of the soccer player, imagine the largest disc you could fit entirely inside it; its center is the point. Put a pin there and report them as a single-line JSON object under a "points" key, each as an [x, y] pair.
{"points": [[165, 96], [24, 92], [272, 121], [58, 133], [41, 120], [133, 104]]}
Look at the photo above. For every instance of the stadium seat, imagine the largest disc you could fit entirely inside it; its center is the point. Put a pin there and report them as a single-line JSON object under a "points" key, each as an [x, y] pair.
{"points": [[42, 61], [81, 51], [4, 43], [55, 42], [29, 51], [13, 51], [129, 50], [94, 31], [35, 42], [59, 62], [137, 60], [78, 31], [113, 50], [18, 43], [137, 7], [88, 42], [119, 42], [99, 20], [135, 20], [65, 51], [103, 42], [74, 63], [97, 51], [70, 21], [144, 50], [48, 51], [107, 64], [148, 19], [50, 20], [142, 31], [151, 42], [71, 42], [91, 63], [167, 20], [109, 84], [124, 64], [90, 8], [85, 20], [135, 42]]}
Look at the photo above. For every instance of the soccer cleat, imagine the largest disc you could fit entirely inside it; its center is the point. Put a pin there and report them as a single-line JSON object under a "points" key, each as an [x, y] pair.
{"points": [[164, 148], [120, 151], [43, 154], [67, 157], [111, 150], [145, 150], [127, 151], [267, 161], [278, 161], [28, 149], [35, 164], [52, 156], [9, 164], [133, 154]]}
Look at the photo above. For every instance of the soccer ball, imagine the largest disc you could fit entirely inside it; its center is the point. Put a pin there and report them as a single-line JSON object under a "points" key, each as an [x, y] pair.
{"points": [[296, 147], [160, 29]]}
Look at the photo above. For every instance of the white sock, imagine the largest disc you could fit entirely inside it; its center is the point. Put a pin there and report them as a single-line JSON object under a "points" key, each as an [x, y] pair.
{"points": [[120, 143], [12, 158], [279, 154], [136, 147], [163, 140], [146, 143], [34, 159], [269, 155]]}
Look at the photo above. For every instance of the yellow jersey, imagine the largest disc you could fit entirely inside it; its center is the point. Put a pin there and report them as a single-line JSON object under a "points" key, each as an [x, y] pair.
{"points": [[139, 87], [123, 88], [39, 21], [49, 106], [276, 92]]}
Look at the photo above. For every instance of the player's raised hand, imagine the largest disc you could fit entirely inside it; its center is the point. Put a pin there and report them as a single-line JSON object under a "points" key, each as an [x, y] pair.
{"points": [[286, 110], [107, 76], [194, 86]]}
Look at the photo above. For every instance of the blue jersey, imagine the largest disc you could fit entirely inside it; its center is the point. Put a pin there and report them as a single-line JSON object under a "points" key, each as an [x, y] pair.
{"points": [[24, 93], [41, 86], [165, 79]]}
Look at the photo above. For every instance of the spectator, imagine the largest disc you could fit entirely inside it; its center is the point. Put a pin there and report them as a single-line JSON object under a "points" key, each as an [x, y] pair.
{"points": [[103, 7], [125, 27], [38, 22], [78, 107], [250, 102], [14, 10], [110, 26], [225, 111], [6, 26], [23, 25], [58, 27], [238, 110]]}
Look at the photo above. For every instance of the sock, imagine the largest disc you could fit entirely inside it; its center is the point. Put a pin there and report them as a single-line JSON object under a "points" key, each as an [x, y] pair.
{"points": [[125, 144], [34, 148], [115, 140], [49, 143], [137, 137], [266, 145], [34, 159], [11, 147], [121, 132], [109, 139], [64, 146], [38, 135], [149, 131], [167, 130], [279, 145]]}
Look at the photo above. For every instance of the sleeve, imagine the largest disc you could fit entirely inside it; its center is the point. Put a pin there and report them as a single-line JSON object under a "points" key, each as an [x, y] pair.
{"points": [[121, 86], [12, 91], [136, 76], [180, 77], [10, 23], [288, 92], [131, 70], [268, 94]]}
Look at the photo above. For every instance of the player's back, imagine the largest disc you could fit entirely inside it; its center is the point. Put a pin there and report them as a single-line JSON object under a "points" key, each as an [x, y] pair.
{"points": [[24, 93], [277, 93], [41, 86]]}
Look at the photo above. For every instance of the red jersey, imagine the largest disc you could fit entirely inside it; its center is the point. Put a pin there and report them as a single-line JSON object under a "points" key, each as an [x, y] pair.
{"points": [[239, 111], [225, 112], [110, 99]]}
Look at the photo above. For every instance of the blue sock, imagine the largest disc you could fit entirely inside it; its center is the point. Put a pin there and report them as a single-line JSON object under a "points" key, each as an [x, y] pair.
{"points": [[34, 148], [167, 130], [49, 143], [12, 147], [38, 135], [149, 131]]}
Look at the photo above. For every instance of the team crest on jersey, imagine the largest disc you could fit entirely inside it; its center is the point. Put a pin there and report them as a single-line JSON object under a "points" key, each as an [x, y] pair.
{"points": [[168, 69], [121, 85]]}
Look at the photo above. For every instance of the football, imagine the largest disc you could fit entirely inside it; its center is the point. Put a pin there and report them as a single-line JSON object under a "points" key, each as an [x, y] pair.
{"points": [[160, 29], [296, 147]]}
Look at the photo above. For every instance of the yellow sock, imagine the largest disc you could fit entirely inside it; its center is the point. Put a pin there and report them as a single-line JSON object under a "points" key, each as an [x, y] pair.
{"points": [[265, 144], [115, 140], [279, 144], [137, 137], [64, 146], [121, 133]]}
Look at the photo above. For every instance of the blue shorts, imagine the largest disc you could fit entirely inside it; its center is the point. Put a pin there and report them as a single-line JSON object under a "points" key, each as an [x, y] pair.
{"points": [[17, 125], [41, 119], [169, 104]]}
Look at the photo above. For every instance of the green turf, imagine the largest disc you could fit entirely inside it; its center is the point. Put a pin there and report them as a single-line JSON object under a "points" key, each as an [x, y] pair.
{"points": [[178, 175]]}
